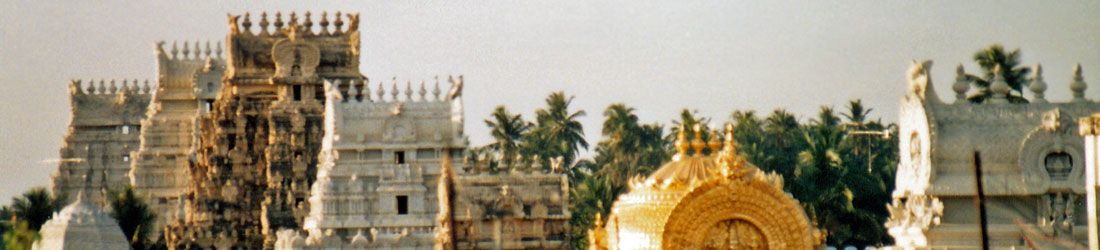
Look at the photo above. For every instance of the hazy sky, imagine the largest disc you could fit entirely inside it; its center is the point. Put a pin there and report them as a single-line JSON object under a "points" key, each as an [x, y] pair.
{"points": [[659, 57]]}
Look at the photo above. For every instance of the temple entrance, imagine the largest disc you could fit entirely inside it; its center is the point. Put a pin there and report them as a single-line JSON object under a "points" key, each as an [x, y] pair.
{"points": [[735, 234]]}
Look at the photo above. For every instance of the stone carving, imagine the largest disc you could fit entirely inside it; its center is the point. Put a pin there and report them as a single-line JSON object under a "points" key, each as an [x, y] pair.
{"points": [[289, 145], [715, 201], [910, 219], [1029, 156]]}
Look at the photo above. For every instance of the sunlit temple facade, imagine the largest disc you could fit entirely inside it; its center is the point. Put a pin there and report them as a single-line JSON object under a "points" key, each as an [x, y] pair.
{"points": [[1030, 157], [280, 142], [706, 201]]}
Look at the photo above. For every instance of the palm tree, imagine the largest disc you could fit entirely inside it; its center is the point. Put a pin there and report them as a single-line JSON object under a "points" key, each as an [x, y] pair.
{"points": [[783, 143], [508, 131], [1009, 63], [560, 129], [594, 194], [36, 206], [133, 215]]}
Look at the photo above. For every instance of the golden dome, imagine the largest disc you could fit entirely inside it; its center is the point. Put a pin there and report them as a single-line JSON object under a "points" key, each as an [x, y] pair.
{"points": [[713, 201], [684, 171]]}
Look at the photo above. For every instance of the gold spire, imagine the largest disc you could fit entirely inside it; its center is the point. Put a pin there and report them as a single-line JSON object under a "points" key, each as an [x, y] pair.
{"points": [[681, 145], [697, 143], [714, 144]]}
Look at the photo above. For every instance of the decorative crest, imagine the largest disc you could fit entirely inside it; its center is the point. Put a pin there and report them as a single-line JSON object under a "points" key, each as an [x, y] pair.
{"points": [[1038, 86], [1078, 85], [962, 84]]}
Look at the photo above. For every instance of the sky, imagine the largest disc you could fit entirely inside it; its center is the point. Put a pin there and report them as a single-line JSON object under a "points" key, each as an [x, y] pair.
{"points": [[659, 57]]}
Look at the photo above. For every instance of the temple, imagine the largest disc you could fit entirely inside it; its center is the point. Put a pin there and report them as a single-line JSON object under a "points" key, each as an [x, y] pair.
{"points": [[280, 142], [706, 201], [186, 87], [105, 128], [1009, 174]]}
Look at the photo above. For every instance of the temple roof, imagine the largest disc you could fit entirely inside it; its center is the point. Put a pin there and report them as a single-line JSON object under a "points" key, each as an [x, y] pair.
{"points": [[686, 170], [81, 225]]}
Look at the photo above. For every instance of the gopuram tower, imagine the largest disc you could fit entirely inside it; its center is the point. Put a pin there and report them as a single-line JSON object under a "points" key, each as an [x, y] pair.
{"points": [[259, 144]]}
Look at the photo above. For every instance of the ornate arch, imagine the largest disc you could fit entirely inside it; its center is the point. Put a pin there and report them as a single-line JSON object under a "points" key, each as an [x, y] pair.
{"points": [[750, 201]]}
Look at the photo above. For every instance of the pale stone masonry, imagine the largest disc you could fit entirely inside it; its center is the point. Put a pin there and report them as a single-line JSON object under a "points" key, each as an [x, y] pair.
{"points": [[284, 134], [105, 129], [381, 160], [186, 86], [79, 226], [258, 148], [1031, 157]]}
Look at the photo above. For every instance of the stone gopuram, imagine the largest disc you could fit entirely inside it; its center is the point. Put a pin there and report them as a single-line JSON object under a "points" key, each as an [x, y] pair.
{"points": [[382, 158], [281, 143], [257, 156], [1030, 157], [104, 130], [186, 86]]}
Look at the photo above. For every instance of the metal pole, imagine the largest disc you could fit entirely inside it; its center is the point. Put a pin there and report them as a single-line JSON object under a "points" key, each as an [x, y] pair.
{"points": [[981, 200], [1090, 188]]}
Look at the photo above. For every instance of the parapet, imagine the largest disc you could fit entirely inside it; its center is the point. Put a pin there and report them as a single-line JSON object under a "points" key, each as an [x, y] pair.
{"points": [[1000, 92], [109, 103], [199, 53], [109, 87], [293, 49], [244, 27], [359, 91]]}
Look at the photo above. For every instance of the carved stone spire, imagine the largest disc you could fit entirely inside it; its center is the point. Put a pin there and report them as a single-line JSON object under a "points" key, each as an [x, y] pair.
{"points": [[113, 89], [308, 23], [999, 87], [436, 91], [263, 22], [961, 84], [394, 90], [381, 92], [186, 50], [324, 25], [366, 90], [408, 91], [278, 21], [1038, 86], [247, 23], [1078, 85], [423, 91], [91, 87], [338, 23], [175, 50]]}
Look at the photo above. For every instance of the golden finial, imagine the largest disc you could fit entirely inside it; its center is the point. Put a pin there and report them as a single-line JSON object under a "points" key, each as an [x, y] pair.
{"points": [[697, 143], [714, 144], [730, 145], [681, 144]]}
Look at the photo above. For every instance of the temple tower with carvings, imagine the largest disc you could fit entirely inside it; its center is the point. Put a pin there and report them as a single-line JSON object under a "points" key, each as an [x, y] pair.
{"points": [[258, 146], [186, 86], [95, 156]]}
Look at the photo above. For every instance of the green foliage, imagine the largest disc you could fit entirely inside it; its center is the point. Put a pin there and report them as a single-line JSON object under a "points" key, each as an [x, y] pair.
{"points": [[557, 132], [840, 166], [1015, 75], [6, 220], [135, 218], [842, 179], [36, 206], [508, 130], [21, 237]]}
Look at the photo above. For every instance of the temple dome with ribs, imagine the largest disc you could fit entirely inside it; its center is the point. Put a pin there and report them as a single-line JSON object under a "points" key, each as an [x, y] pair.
{"points": [[711, 198], [81, 225]]}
